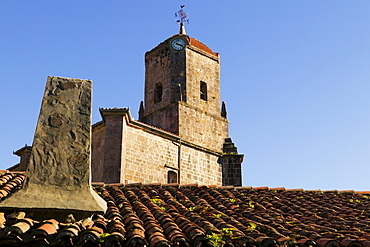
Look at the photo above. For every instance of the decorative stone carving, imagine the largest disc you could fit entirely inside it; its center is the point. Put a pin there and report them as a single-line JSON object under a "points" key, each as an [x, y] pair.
{"points": [[58, 175]]}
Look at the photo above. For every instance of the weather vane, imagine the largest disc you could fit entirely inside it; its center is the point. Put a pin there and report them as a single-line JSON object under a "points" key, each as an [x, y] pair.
{"points": [[181, 16]]}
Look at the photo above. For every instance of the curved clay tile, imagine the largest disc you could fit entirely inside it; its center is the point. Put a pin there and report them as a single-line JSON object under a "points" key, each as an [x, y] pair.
{"points": [[325, 242], [187, 216], [68, 233], [201, 46]]}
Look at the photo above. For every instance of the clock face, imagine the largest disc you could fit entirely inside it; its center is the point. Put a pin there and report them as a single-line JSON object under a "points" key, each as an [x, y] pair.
{"points": [[178, 44]]}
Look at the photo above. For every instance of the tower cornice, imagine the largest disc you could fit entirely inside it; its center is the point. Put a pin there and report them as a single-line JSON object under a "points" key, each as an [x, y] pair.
{"points": [[192, 43]]}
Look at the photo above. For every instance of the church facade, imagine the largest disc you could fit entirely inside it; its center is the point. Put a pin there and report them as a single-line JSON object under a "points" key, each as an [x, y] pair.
{"points": [[182, 132], [181, 135]]}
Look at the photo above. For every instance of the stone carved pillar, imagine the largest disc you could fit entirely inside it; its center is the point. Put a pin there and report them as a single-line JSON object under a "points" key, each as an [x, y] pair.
{"points": [[58, 179], [231, 162], [24, 153]]}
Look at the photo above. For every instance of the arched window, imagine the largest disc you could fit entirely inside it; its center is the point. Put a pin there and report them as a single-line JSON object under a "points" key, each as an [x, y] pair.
{"points": [[158, 92], [203, 90], [172, 177]]}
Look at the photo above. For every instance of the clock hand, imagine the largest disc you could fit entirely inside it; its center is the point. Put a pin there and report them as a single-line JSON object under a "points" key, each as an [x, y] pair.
{"points": [[180, 44]]}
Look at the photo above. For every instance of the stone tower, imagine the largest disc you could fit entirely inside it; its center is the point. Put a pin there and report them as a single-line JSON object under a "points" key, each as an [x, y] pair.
{"points": [[182, 133], [182, 91]]}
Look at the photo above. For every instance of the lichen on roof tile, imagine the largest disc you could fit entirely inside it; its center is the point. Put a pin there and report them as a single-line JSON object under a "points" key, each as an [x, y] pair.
{"points": [[163, 215]]}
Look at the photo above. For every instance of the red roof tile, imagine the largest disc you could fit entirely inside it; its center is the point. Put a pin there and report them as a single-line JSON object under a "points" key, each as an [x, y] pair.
{"points": [[164, 215], [201, 46]]}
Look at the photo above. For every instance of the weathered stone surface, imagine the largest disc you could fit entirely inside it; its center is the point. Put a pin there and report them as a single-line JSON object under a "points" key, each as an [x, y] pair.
{"points": [[147, 154], [176, 82], [58, 175], [181, 109], [231, 162]]}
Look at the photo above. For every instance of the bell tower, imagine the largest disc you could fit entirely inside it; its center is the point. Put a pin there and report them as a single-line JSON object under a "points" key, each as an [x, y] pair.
{"points": [[182, 91]]}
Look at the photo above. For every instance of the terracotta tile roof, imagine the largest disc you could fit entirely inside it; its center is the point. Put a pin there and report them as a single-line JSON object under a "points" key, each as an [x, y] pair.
{"points": [[201, 46], [193, 42], [10, 182], [173, 215]]}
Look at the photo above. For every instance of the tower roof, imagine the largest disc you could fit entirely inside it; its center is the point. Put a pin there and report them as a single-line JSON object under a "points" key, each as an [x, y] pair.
{"points": [[200, 45], [193, 42]]}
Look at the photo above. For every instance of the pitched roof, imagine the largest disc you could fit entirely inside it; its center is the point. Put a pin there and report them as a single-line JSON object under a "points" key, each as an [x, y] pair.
{"points": [[191, 215], [193, 42], [200, 45]]}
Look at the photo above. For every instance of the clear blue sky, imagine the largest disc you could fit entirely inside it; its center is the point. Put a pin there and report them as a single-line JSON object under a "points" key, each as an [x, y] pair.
{"points": [[294, 75]]}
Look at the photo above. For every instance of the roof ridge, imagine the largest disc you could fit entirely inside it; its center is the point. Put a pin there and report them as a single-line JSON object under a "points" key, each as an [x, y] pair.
{"points": [[99, 184]]}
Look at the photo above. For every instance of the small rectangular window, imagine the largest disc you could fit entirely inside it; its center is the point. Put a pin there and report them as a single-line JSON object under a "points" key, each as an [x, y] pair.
{"points": [[203, 90], [171, 177], [158, 92]]}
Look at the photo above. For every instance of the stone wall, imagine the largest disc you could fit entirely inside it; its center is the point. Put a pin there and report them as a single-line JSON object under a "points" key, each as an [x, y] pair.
{"points": [[113, 148], [97, 154], [201, 128], [196, 120], [200, 167], [149, 157], [201, 67], [148, 154], [165, 118], [166, 67], [200, 120], [189, 130]]}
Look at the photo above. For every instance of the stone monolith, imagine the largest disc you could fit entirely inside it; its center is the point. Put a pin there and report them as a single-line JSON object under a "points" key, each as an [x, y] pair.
{"points": [[58, 179]]}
